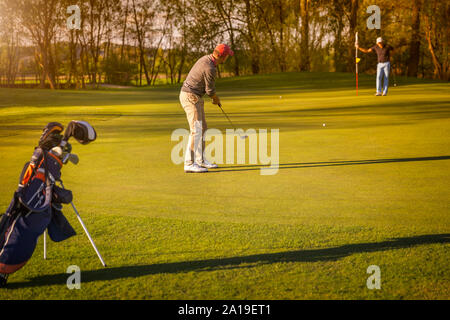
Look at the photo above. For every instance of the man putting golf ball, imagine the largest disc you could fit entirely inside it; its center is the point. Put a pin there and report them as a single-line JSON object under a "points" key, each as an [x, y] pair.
{"points": [[200, 81], [383, 52]]}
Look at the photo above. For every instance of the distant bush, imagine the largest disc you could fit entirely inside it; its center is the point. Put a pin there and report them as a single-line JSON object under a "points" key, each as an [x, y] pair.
{"points": [[117, 71]]}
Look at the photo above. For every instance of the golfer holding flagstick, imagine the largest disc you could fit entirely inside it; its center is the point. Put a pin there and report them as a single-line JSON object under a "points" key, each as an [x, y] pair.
{"points": [[200, 81], [383, 52]]}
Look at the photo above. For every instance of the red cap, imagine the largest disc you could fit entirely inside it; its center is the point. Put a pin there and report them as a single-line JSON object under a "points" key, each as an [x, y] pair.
{"points": [[224, 50]]}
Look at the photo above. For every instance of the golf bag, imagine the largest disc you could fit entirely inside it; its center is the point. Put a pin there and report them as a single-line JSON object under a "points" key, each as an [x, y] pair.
{"points": [[36, 204]]}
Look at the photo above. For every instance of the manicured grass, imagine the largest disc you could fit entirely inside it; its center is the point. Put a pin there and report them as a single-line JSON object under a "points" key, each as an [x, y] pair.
{"points": [[368, 188]]}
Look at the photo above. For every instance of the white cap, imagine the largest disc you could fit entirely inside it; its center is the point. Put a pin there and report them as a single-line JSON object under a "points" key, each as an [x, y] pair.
{"points": [[380, 39]]}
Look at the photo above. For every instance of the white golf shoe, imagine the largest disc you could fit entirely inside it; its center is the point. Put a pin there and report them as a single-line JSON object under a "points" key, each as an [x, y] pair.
{"points": [[194, 168], [208, 165]]}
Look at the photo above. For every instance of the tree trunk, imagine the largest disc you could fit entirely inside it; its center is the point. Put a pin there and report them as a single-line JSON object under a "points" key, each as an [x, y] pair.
{"points": [[51, 69], [183, 59], [141, 45], [437, 46], [282, 47], [414, 49], [184, 46], [338, 48], [352, 23], [305, 64], [236, 59], [251, 35], [437, 65], [124, 32], [337, 15], [44, 65]]}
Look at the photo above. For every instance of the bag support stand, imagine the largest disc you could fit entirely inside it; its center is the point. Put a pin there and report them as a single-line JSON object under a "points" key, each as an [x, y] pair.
{"points": [[85, 230], [45, 245]]}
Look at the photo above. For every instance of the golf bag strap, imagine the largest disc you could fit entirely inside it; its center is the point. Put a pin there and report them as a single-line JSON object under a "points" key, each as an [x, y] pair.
{"points": [[29, 171], [48, 189], [45, 168], [49, 179]]}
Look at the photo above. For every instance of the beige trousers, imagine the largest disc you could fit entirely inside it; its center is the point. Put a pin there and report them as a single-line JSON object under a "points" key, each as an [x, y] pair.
{"points": [[194, 106]]}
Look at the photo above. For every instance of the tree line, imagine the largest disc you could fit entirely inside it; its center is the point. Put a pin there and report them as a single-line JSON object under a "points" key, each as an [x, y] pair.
{"points": [[145, 42]]}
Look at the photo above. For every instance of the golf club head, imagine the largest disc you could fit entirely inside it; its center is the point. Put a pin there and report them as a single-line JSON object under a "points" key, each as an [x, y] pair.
{"points": [[72, 158]]}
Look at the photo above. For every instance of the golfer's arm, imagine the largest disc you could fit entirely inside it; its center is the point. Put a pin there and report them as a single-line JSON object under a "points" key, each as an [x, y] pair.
{"points": [[365, 50], [215, 99], [210, 83]]}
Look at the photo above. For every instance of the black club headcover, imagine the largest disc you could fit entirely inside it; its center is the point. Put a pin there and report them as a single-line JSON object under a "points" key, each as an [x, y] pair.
{"points": [[51, 136]]}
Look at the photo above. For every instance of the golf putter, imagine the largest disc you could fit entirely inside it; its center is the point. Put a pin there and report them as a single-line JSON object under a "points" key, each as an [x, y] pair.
{"points": [[234, 127]]}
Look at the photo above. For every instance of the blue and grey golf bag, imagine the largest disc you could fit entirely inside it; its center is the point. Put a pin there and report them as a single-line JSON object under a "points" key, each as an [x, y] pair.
{"points": [[36, 204]]}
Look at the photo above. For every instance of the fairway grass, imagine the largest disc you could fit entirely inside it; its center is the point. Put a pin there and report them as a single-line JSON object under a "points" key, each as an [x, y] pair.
{"points": [[371, 187]]}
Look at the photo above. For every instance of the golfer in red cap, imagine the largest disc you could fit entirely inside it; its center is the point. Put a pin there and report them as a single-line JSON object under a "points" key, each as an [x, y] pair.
{"points": [[200, 81]]}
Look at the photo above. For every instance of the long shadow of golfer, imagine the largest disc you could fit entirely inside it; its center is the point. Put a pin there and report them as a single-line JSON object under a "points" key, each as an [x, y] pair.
{"points": [[314, 255], [325, 164]]}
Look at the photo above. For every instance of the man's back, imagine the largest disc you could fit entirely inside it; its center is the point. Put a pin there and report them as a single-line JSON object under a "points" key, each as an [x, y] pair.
{"points": [[201, 78]]}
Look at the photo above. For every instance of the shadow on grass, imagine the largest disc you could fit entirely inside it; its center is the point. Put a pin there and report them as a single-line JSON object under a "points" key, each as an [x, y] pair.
{"points": [[295, 165], [313, 255]]}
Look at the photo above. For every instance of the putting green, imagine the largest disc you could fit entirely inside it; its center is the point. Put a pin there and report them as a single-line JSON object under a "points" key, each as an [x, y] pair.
{"points": [[368, 188]]}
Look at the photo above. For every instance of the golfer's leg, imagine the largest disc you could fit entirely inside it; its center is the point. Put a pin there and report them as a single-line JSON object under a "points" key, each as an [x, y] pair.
{"points": [[188, 159], [379, 77], [200, 130], [386, 77], [196, 138], [195, 123], [192, 117], [189, 156], [204, 127]]}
